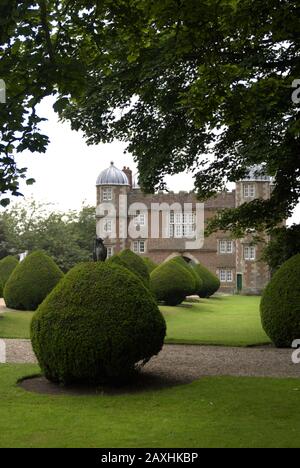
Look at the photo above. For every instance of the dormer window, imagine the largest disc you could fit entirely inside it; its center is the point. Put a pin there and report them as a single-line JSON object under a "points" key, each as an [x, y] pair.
{"points": [[107, 194]]}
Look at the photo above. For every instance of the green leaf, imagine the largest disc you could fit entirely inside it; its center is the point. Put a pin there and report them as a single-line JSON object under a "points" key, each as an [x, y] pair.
{"points": [[5, 202], [30, 181]]}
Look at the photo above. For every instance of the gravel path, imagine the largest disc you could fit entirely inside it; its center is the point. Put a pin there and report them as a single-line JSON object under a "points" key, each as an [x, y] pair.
{"points": [[19, 352], [185, 363]]}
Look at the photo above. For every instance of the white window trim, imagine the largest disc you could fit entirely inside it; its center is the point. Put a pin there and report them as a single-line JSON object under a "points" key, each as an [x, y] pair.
{"points": [[229, 276], [225, 246], [249, 190], [139, 246], [226, 275], [249, 252], [181, 225]]}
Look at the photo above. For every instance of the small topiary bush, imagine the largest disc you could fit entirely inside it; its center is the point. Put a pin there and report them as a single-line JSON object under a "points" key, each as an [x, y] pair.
{"points": [[134, 263], [280, 304], [7, 266], [210, 282], [171, 282], [149, 264], [31, 281], [99, 323]]}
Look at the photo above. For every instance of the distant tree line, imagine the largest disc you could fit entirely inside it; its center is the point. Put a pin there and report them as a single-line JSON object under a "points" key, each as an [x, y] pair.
{"points": [[66, 237]]}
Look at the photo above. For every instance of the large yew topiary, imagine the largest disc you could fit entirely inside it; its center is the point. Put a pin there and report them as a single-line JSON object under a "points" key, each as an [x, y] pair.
{"points": [[134, 263], [171, 282], [210, 282], [189, 267], [31, 281], [149, 264], [99, 323], [7, 266], [280, 304]]}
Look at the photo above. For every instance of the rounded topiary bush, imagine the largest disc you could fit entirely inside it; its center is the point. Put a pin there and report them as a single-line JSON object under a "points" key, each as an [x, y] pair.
{"points": [[171, 282], [99, 323], [280, 304], [190, 269], [31, 281], [7, 266], [134, 263], [150, 264], [210, 282]]}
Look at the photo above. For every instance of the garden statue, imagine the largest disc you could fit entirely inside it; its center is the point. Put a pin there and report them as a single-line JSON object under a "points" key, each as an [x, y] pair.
{"points": [[100, 251]]}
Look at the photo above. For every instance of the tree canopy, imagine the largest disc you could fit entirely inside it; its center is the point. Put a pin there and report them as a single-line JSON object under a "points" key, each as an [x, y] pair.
{"points": [[193, 85], [66, 237], [284, 244]]}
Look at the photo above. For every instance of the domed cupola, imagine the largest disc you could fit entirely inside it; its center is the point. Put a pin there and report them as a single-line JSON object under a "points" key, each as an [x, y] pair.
{"points": [[112, 176]]}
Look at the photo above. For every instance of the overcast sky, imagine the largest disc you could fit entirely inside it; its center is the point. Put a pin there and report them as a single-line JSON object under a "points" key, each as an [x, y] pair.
{"points": [[66, 174]]}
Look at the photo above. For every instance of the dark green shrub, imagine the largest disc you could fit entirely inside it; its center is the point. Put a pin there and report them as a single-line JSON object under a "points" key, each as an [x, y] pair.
{"points": [[99, 323], [210, 282], [171, 282], [149, 264], [7, 266], [280, 304], [31, 281], [134, 263], [197, 280], [115, 260]]}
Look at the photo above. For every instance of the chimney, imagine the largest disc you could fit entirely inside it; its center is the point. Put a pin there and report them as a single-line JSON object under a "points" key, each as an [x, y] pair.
{"points": [[128, 172]]}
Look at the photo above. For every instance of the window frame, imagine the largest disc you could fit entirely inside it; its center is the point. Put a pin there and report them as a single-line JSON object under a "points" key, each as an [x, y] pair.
{"points": [[226, 275], [228, 246], [108, 222], [138, 244], [107, 194], [251, 255], [249, 190], [181, 224]]}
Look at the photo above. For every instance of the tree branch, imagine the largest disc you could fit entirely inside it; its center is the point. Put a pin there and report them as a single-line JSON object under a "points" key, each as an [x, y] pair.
{"points": [[45, 25]]}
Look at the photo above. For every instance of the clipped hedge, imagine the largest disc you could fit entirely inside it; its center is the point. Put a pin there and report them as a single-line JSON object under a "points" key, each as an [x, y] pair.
{"points": [[31, 281], [189, 267], [7, 266], [280, 304], [99, 323], [171, 282], [134, 263], [149, 264], [210, 282]]}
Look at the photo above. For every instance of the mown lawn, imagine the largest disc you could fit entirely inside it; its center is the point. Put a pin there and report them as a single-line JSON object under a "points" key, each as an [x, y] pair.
{"points": [[212, 412], [220, 320], [15, 324]]}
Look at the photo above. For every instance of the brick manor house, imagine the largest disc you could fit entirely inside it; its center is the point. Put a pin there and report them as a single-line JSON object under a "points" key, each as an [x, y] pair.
{"points": [[121, 204]]}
